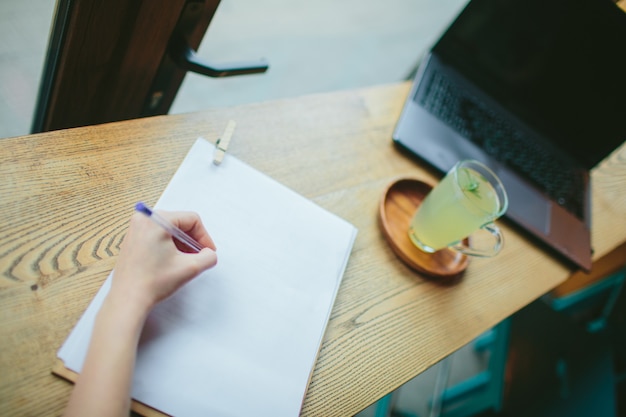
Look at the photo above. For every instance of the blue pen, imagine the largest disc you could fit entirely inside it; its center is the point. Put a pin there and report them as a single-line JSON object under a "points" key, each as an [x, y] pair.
{"points": [[169, 227]]}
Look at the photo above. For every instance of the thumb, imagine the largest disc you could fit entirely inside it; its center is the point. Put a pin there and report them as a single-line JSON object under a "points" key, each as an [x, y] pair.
{"points": [[206, 258]]}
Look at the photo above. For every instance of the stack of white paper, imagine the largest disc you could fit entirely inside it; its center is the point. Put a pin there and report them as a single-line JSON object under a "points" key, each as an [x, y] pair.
{"points": [[242, 338]]}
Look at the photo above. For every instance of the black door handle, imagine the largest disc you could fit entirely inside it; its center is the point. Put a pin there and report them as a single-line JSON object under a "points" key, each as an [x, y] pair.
{"points": [[186, 58], [179, 55]]}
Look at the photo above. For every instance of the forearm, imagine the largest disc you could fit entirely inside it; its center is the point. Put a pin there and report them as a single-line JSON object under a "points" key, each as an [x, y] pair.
{"points": [[103, 387], [149, 269]]}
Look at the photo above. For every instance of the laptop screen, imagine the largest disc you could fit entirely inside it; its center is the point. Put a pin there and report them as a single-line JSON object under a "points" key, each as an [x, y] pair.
{"points": [[557, 64]]}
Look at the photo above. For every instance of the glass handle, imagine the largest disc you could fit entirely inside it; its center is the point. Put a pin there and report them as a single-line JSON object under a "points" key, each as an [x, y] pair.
{"points": [[483, 253]]}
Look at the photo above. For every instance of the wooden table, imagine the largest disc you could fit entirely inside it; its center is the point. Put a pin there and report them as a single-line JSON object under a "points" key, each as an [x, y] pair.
{"points": [[66, 197]]}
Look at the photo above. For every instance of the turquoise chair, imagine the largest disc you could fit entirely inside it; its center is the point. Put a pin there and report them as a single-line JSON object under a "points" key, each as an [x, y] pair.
{"points": [[593, 304], [484, 392], [479, 393]]}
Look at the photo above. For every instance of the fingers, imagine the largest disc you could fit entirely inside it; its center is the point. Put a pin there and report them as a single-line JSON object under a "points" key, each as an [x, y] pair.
{"points": [[190, 223], [150, 268], [206, 258]]}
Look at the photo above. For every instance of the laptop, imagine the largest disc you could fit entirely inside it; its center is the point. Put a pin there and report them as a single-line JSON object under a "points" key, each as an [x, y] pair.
{"points": [[536, 90]]}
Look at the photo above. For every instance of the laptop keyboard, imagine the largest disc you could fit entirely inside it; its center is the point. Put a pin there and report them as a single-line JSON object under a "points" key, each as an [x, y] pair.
{"points": [[497, 137]]}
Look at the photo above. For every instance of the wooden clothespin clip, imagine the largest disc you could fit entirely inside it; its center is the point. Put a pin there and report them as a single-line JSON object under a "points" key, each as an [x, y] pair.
{"points": [[222, 143]]}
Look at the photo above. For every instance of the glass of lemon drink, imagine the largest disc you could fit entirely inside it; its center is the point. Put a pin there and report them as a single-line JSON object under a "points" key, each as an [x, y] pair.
{"points": [[469, 198]]}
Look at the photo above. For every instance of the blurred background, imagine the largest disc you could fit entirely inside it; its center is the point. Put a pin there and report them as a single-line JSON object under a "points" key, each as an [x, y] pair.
{"points": [[311, 47]]}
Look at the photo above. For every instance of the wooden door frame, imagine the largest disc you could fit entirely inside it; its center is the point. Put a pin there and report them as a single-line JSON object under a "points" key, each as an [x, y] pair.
{"points": [[103, 58]]}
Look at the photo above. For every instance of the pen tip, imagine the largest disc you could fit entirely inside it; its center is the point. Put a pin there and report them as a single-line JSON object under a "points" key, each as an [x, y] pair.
{"points": [[141, 207]]}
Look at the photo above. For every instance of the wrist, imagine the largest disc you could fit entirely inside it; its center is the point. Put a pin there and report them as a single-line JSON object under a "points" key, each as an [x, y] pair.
{"points": [[131, 292], [128, 313]]}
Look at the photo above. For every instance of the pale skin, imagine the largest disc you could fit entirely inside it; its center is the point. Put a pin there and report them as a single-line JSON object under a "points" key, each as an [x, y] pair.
{"points": [[151, 267]]}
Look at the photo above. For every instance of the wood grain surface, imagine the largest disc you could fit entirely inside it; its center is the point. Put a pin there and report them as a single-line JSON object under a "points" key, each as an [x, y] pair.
{"points": [[66, 197]]}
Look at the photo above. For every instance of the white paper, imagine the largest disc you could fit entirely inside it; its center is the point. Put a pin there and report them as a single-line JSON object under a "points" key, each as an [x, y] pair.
{"points": [[242, 338]]}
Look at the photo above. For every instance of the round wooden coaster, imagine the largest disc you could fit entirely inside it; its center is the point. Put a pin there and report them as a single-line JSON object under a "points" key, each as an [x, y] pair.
{"points": [[400, 200]]}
